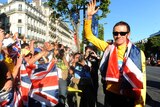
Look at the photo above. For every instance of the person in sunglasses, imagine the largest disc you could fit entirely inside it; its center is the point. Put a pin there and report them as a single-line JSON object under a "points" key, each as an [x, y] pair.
{"points": [[122, 66]]}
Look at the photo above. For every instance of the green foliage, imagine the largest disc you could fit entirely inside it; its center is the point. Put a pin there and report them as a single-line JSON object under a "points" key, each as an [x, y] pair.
{"points": [[155, 41], [100, 35], [141, 46], [104, 7], [64, 8], [101, 32], [152, 46]]}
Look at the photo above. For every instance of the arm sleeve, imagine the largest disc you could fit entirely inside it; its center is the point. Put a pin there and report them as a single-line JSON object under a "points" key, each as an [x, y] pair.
{"points": [[100, 44], [143, 91], [144, 78]]}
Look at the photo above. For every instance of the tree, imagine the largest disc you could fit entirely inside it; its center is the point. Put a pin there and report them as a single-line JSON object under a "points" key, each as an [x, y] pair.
{"points": [[69, 10], [100, 35], [152, 45], [141, 46], [155, 41], [101, 31]]}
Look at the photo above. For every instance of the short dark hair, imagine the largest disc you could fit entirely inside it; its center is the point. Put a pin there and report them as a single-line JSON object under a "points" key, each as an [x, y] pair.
{"points": [[89, 47], [77, 53], [122, 23], [2, 27], [93, 48], [24, 45]]}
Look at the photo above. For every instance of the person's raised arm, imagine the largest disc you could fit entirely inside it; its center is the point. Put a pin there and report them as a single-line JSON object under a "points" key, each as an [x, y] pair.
{"points": [[17, 66], [45, 51], [37, 57], [91, 10], [31, 46]]}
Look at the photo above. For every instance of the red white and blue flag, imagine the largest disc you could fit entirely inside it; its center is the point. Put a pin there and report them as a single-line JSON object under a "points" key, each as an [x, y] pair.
{"points": [[11, 99], [131, 69], [40, 82], [17, 46]]}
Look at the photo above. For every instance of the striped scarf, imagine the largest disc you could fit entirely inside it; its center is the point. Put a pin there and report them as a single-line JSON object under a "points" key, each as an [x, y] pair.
{"points": [[131, 68]]}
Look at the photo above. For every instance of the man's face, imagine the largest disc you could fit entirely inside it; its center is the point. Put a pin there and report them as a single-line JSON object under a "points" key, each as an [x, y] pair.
{"points": [[56, 50], [88, 50], [121, 36], [76, 58], [28, 57], [26, 47]]}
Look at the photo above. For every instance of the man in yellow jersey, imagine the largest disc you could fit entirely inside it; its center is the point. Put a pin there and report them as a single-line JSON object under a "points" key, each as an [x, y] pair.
{"points": [[122, 65]]}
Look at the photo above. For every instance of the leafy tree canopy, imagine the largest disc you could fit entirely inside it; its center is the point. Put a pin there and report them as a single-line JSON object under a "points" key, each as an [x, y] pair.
{"points": [[155, 41], [69, 10], [101, 31], [65, 8]]}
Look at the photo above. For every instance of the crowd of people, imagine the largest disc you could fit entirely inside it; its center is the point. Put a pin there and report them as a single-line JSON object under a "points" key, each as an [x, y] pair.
{"points": [[25, 71], [54, 75]]}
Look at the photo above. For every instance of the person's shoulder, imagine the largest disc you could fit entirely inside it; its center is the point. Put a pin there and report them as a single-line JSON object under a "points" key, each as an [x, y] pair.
{"points": [[86, 68], [142, 53]]}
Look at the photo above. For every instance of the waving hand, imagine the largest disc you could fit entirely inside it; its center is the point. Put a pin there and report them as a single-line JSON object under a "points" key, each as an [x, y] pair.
{"points": [[91, 10]]}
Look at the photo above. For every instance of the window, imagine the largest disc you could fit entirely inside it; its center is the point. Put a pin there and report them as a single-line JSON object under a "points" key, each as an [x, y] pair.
{"points": [[19, 21], [20, 30], [20, 7]]}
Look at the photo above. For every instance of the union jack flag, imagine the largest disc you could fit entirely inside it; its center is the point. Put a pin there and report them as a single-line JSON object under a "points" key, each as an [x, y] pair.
{"points": [[40, 82], [131, 68], [12, 99], [16, 49], [17, 45]]}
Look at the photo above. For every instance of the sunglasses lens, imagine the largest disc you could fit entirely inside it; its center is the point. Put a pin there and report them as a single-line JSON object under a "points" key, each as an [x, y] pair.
{"points": [[121, 33], [115, 33]]}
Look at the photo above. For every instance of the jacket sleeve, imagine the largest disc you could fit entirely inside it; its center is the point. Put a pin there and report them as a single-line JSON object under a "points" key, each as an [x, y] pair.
{"points": [[100, 44], [142, 103]]}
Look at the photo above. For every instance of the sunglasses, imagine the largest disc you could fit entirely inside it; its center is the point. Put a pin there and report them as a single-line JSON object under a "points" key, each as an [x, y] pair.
{"points": [[121, 33]]}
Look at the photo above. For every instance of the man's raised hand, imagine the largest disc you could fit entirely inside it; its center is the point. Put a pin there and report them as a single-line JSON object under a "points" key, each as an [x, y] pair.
{"points": [[91, 10]]}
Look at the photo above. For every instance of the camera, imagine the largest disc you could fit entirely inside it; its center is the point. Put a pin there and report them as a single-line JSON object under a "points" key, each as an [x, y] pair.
{"points": [[91, 54]]}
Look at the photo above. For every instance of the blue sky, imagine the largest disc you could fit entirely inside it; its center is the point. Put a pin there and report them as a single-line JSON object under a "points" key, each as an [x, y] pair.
{"points": [[143, 16]]}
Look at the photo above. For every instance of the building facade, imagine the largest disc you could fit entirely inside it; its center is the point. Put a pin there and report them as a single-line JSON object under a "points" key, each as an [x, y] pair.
{"points": [[32, 20]]}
